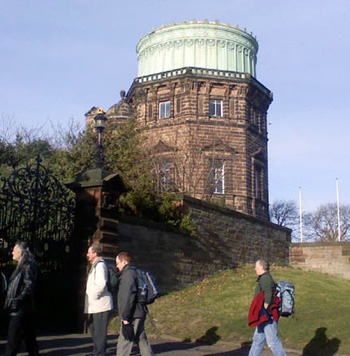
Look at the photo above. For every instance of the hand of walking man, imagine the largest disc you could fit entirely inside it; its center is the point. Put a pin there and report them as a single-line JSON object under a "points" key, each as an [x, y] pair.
{"points": [[128, 332]]}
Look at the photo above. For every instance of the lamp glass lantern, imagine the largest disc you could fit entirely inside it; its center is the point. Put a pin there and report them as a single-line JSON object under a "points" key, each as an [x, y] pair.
{"points": [[100, 124]]}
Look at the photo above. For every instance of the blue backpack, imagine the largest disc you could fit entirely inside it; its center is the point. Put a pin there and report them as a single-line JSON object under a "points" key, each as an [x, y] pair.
{"points": [[285, 292], [147, 288]]}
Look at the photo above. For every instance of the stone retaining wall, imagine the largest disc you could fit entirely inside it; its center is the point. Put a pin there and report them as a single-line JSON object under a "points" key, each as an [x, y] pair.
{"points": [[237, 237], [328, 257], [223, 239]]}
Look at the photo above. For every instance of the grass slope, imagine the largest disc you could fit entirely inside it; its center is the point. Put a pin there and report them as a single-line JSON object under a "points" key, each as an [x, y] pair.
{"points": [[217, 309]]}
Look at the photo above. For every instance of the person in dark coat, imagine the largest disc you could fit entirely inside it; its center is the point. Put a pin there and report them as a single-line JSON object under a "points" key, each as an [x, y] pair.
{"points": [[131, 313], [19, 302]]}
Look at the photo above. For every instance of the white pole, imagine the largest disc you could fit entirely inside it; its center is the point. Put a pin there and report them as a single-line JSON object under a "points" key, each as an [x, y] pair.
{"points": [[338, 208], [301, 216]]}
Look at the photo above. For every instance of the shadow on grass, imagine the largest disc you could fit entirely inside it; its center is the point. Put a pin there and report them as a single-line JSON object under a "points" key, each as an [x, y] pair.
{"points": [[210, 337], [320, 345]]}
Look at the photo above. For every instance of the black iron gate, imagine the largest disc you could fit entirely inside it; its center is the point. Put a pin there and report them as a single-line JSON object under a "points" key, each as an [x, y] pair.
{"points": [[35, 207]]}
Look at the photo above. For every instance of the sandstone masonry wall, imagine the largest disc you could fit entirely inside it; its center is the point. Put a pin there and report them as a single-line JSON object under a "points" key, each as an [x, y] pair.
{"points": [[190, 139], [328, 257], [237, 237], [224, 239]]}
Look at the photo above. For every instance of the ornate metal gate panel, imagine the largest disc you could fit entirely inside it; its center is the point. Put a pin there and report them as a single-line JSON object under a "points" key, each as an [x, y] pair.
{"points": [[35, 207]]}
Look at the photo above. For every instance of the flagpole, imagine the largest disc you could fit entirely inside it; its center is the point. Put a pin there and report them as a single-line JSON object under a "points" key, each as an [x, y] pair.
{"points": [[301, 215], [338, 208]]}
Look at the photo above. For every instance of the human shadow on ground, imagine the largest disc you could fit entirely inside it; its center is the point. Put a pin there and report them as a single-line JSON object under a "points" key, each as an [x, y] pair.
{"points": [[321, 345], [69, 345], [242, 351], [209, 338], [173, 346]]}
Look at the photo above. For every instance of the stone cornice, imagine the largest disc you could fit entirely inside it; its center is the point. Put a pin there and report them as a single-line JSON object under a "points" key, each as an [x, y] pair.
{"points": [[209, 74]]}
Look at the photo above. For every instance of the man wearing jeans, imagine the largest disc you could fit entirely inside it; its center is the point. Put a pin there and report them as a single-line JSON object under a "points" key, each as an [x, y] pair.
{"points": [[266, 316]]}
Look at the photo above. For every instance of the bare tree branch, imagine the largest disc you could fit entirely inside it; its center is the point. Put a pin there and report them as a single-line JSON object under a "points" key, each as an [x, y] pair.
{"points": [[323, 222], [284, 213]]}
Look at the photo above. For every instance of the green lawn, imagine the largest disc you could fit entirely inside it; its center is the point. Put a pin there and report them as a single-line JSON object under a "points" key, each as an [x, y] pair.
{"points": [[217, 308]]}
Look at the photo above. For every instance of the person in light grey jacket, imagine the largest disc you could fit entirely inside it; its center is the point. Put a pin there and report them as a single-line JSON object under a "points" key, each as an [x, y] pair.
{"points": [[98, 300]]}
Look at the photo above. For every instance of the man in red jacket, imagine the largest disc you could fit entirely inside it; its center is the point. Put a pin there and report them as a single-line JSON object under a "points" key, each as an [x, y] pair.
{"points": [[267, 328]]}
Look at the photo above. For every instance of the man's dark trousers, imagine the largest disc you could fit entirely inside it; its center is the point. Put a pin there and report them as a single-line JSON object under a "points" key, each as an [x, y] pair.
{"points": [[21, 328], [98, 324]]}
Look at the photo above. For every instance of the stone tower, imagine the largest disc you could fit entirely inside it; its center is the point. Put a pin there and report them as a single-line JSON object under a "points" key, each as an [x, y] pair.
{"points": [[204, 113]]}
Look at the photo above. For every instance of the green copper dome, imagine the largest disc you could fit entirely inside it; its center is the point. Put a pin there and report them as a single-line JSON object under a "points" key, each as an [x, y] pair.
{"points": [[201, 44]]}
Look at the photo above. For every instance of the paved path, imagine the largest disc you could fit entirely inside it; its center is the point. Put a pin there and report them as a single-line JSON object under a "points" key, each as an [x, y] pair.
{"points": [[80, 345]]}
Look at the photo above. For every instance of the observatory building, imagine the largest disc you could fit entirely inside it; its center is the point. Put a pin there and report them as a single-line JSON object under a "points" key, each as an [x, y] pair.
{"points": [[203, 113]]}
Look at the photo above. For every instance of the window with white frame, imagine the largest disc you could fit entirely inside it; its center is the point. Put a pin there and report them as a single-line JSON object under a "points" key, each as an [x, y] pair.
{"points": [[217, 177], [164, 109], [215, 108]]}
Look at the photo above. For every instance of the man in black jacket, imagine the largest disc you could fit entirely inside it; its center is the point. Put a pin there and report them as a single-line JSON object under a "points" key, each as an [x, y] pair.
{"points": [[131, 313], [19, 302]]}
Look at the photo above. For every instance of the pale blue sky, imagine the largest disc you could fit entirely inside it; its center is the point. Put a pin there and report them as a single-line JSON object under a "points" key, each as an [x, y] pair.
{"points": [[58, 58]]}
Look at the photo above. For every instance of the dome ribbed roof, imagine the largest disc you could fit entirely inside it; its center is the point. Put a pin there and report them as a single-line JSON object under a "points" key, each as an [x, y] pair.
{"points": [[121, 110]]}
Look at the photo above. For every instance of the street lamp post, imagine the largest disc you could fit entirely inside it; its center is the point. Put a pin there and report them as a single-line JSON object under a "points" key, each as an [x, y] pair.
{"points": [[100, 124]]}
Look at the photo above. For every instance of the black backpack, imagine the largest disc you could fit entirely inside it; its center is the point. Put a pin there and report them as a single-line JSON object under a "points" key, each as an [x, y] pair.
{"points": [[285, 292], [112, 283], [147, 288], [112, 278]]}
